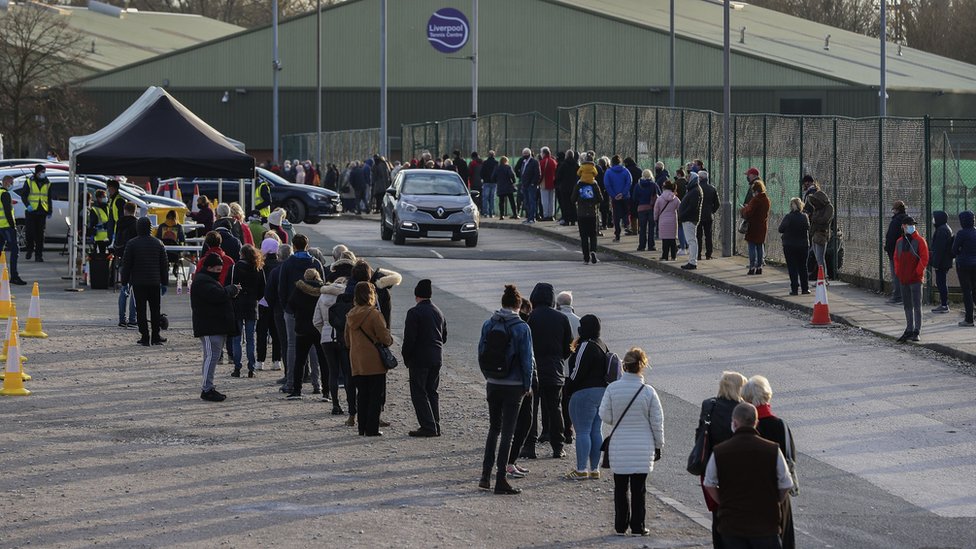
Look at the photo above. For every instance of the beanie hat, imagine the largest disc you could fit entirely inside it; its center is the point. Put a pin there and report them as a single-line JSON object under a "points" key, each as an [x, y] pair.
{"points": [[753, 171], [908, 221], [423, 289], [589, 327], [269, 246], [213, 260], [275, 217]]}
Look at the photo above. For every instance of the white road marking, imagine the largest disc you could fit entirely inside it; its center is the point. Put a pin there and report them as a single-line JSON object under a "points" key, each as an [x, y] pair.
{"points": [[439, 256]]}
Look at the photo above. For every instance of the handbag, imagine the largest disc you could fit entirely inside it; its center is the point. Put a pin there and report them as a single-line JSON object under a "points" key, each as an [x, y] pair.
{"points": [[791, 462], [698, 458], [386, 355], [743, 226], [605, 447]]}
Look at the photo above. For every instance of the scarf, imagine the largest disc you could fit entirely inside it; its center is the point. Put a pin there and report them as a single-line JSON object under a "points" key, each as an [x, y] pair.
{"points": [[764, 410]]}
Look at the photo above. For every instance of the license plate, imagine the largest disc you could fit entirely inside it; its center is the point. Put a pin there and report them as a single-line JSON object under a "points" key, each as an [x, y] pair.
{"points": [[440, 234]]}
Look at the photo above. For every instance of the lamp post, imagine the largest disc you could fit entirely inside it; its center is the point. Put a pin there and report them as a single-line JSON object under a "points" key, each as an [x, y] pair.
{"points": [[275, 67], [671, 53], [727, 225], [474, 75], [384, 140], [883, 93], [318, 81]]}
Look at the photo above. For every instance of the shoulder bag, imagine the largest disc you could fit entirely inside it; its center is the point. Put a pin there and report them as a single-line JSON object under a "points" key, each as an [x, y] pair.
{"points": [[605, 447], [386, 355], [791, 460], [698, 458]]}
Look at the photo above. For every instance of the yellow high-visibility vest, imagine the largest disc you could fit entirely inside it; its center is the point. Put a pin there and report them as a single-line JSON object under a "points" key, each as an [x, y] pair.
{"points": [[37, 194]]}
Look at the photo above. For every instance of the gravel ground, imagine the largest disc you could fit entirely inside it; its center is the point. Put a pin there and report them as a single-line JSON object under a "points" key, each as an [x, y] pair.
{"points": [[116, 449]]}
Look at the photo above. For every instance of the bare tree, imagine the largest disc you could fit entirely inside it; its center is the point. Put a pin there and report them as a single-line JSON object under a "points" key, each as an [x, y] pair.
{"points": [[38, 53]]}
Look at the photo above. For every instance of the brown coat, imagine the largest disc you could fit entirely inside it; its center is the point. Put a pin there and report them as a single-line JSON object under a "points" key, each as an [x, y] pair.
{"points": [[363, 356], [757, 213]]}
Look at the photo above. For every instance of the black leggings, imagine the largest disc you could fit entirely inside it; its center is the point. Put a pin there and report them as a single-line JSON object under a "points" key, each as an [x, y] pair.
{"points": [[370, 393], [669, 246], [338, 360], [587, 232], [265, 328], [501, 204]]}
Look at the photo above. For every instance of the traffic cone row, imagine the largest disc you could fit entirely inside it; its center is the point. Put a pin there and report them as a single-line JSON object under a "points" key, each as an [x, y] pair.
{"points": [[4, 293], [821, 312], [13, 379], [6, 344]]}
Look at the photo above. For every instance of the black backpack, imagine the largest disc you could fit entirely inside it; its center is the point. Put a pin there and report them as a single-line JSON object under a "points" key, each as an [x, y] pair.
{"points": [[493, 359], [337, 318]]}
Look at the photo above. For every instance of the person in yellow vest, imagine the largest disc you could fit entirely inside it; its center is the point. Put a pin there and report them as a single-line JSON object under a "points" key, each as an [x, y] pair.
{"points": [[98, 221], [115, 204], [39, 208], [262, 199], [8, 230]]}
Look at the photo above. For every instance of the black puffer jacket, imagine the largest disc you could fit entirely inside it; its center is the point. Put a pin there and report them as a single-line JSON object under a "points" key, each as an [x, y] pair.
{"points": [[302, 303], [894, 233], [252, 290], [552, 336], [212, 306], [144, 261]]}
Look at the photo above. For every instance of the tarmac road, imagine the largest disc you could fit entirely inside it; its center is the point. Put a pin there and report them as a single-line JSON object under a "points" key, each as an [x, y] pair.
{"points": [[886, 434]]}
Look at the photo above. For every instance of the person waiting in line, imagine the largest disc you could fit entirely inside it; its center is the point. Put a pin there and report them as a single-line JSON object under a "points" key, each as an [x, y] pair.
{"points": [[964, 250], [424, 336], [213, 319], [8, 230], [336, 356], [249, 275], [586, 198], [98, 223], [756, 213], [645, 195], [237, 214], [894, 232], [940, 258], [585, 386], [302, 302], [265, 327], [795, 228], [911, 259], [125, 230], [666, 217], [365, 329], [144, 266], [504, 178], [204, 215]]}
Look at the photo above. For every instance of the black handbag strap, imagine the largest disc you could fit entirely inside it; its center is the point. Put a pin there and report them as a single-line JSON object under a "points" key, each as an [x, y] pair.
{"points": [[367, 335], [708, 418], [614, 430]]}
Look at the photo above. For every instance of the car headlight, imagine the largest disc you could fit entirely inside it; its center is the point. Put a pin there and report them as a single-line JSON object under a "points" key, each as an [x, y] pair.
{"points": [[319, 197], [471, 209], [408, 207]]}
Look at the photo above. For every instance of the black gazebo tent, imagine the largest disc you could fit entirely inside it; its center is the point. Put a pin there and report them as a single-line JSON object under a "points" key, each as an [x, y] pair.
{"points": [[155, 136]]}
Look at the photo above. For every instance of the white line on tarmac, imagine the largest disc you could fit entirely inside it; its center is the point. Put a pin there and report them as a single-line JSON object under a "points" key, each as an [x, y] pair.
{"points": [[697, 517], [439, 256]]}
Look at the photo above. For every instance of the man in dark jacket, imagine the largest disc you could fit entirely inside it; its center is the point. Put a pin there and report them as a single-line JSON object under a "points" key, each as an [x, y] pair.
{"points": [[424, 336], [302, 303], [228, 242], [821, 213], [964, 250], [274, 303], [291, 271], [710, 205], [488, 178], [940, 258], [144, 266], [213, 319], [689, 215], [552, 337], [898, 216], [530, 175], [125, 231], [380, 177]]}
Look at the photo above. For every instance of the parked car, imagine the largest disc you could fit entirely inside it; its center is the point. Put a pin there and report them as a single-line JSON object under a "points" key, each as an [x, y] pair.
{"points": [[429, 204], [304, 203], [10, 162], [57, 226]]}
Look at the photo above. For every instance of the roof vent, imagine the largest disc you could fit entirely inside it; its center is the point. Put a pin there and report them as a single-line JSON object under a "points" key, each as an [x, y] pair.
{"points": [[827, 43], [105, 9]]}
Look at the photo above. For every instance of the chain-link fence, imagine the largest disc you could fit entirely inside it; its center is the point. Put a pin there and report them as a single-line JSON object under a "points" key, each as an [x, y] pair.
{"points": [[338, 147], [506, 134], [862, 164]]}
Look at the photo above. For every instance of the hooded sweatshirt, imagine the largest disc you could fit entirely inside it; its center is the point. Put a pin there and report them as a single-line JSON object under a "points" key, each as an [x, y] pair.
{"points": [[144, 262], [617, 180], [303, 301], [645, 194], [519, 351], [552, 335], [964, 244], [691, 205], [940, 252], [587, 172]]}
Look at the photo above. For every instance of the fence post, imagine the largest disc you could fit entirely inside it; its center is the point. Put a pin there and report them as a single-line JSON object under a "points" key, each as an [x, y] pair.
{"points": [[710, 167], [927, 125], [881, 230], [576, 137], [764, 149], [836, 205], [593, 143], [559, 145], [637, 135], [681, 149], [532, 132], [734, 173], [657, 127], [802, 171], [614, 140]]}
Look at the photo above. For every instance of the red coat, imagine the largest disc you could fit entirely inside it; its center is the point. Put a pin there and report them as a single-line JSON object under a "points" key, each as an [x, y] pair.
{"points": [[548, 167], [757, 212], [910, 264], [228, 264]]}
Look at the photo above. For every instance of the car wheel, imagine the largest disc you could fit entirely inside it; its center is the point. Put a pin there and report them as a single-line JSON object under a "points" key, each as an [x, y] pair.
{"points": [[398, 238], [21, 234], [471, 241], [385, 232], [312, 220], [295, 209]]}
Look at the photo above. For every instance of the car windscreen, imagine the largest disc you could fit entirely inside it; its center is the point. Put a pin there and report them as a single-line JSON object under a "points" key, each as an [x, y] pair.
{"points": [[433, 184]]}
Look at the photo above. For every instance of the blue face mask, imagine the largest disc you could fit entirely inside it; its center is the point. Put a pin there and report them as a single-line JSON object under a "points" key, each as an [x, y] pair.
{"points": [[910, 229]]}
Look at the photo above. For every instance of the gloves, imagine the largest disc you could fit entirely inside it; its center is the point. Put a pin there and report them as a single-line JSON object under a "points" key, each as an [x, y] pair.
{"points": [[162, 289], [657, 454]]}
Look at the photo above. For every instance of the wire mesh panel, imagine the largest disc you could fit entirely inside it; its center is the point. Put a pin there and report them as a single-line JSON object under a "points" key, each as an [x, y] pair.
{"points": [[646, 137], [338, 147]]}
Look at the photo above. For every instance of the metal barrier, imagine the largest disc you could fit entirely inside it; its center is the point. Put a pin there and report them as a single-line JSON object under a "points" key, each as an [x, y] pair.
{"points": [[338, 147], [506, 134]]}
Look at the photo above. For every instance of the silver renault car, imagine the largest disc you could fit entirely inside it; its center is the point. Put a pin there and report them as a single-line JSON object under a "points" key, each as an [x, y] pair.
{"points": [[429, 204]]}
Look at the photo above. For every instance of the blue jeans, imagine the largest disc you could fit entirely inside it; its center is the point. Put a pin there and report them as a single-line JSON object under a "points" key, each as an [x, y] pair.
{"points": [[488, 198], [247, 328], [940, 282], [8, 242], [531, 204], [757, 252], [682, 241], [584, 409], [125, 293]]}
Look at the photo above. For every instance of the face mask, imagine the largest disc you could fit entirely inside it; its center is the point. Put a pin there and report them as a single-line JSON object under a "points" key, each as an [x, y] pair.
{"points": [[103, 201], [41, 174], [910, 229]]}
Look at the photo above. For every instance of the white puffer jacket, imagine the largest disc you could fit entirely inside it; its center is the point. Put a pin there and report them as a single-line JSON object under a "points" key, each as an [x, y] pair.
{"points": [[320, 318], [641, 430]]}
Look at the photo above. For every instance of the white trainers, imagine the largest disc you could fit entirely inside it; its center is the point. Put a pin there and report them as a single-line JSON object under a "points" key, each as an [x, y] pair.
{"points": [[259, 366], [276, 365]]}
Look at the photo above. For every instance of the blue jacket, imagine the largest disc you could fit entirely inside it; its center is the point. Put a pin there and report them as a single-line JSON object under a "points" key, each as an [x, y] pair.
{"points": [[645, 191], [940, 247], [291, 271], [964, 245], [520, 351], [617, 180]]}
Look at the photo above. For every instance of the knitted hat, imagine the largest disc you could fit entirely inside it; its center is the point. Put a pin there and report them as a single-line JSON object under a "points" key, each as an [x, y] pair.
{"points": [[908, 221], [753, 171], [269, 246], [423, 289], [589, 327], [275, 217]]}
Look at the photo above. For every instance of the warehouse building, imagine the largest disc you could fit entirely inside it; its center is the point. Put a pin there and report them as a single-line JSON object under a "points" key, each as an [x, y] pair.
{"points": [[535, 55]]}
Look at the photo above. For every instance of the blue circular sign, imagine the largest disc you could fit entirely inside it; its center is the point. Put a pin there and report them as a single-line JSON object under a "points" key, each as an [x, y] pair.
{"points": [[447, 30]]}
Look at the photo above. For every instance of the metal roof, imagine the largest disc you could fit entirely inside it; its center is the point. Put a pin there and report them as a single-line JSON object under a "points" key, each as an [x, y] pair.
{"points": [[792, 41], [129, 36]]}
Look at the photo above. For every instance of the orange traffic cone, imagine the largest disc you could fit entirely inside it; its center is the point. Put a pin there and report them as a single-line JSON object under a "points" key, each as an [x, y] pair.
{"points": [[196, 198], [6, 343], [33, 327], [4, 293], [13, 382], [821, 312]]}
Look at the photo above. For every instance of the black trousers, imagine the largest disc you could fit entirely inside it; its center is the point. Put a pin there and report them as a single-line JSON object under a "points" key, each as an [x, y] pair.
{"points": [[552, 416], [522, 427], [587, 232], [630, 513], [705, 235], [669, 248], [423, 393], [370, 400], [266, 327], [796, 264], [737, 542], [34, 225], [567, 421], [279, 322], [565, 199], [533, 435], [147, 295], [501, 205], [303, 345], [967, 282], [337, 360], [504, 405]]}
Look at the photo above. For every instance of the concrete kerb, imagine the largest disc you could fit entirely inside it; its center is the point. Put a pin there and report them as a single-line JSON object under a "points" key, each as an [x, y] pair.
{"points": [[692, 276]]}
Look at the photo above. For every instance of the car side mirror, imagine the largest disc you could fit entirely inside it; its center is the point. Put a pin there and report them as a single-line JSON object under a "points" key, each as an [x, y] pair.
{"points": [[475, 194], [391, 191]]}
